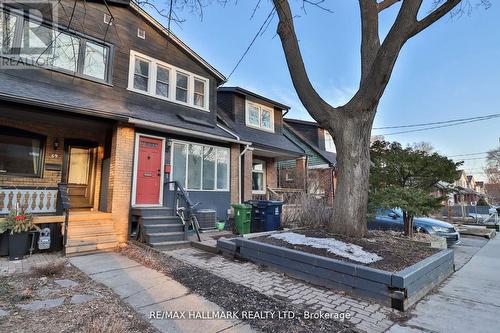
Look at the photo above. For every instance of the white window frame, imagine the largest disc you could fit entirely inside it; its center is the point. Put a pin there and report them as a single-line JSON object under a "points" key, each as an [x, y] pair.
{"points": [[264, 176], [326, 135], [153, 64], [186, 174], [261, 108]]}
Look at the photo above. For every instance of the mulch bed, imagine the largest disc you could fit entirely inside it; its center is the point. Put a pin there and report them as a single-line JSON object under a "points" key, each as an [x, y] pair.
{"points": [[105, 314], [232, 296], [397, 252]]}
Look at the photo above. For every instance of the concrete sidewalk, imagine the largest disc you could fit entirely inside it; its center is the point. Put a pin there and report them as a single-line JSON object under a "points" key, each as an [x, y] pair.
{"points": [[147, 291], [467, 302]]}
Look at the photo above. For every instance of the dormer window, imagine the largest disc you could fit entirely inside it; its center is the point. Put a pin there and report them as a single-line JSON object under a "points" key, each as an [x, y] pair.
{"points": [[259, 116], [158, 79], [329, 144]]}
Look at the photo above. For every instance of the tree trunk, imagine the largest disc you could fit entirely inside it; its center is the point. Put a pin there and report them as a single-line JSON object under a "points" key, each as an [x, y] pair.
{"points": [[408, 224], [352, 141]]}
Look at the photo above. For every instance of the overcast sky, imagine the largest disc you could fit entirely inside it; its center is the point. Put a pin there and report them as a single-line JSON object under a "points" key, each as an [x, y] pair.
{"points": [[450, 71]]}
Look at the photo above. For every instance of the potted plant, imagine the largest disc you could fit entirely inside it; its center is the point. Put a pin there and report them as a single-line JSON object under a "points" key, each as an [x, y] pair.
{"points": [[19, 222]]}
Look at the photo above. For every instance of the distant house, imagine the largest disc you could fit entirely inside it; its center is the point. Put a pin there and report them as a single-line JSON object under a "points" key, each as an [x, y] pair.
{"points": [[319, 162]]}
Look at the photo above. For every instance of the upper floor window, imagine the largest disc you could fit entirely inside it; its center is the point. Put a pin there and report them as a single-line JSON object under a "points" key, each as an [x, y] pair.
{"points": [[161, 80], [37, 44], [329, 144], [259, 116]]}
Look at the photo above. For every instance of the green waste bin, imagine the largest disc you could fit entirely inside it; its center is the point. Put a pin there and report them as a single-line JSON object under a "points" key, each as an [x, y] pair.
{"points": [[242, 218]]}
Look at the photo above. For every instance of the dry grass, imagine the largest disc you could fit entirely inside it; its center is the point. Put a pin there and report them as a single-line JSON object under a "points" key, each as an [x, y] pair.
{"points": [[51, 269], [107, 325], [306, 210]]}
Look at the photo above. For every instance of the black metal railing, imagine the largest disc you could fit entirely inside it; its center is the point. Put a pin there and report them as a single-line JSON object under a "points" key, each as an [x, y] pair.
{"points": [[185, 212]]}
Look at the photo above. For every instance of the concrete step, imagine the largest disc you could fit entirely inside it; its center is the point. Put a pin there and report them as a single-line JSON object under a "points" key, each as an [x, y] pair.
{"points": [[156, 228], [164, 237], [165, 246], [152, 211], [152, 220], [207, 245]]}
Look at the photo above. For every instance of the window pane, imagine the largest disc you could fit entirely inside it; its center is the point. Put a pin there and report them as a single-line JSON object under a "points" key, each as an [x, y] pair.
{"points": [[66, 50], [253, 115], [141, 67], [179, 163], [7, 29], [162, 89], [199, 100], [95, 61], [195, 153], [78, 166], [222, 168], [266, 119], [181, 90], [141, 70], [162, 74], [257, 181], [199, 87], [37, 44], [208, 168], [20, 155]]}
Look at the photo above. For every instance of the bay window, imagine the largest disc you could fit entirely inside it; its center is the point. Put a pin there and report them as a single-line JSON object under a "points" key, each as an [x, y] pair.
{"points": [[21, 152], [30, 42], [161, 80], [259, 116], [200, 167]]}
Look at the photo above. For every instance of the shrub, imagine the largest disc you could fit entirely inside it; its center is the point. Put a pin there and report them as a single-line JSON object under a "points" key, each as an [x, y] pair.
{"points": [[306, 210], [54, 268]]}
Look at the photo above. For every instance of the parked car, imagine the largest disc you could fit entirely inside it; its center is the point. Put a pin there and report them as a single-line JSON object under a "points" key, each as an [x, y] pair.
{"points": [[392, 219]]}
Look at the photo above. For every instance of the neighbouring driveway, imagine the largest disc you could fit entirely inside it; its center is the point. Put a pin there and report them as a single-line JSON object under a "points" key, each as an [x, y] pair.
{"points": [[469, 301]]}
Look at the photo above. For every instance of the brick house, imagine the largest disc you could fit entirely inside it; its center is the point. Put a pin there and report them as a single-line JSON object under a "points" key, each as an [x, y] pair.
{"points": [[119, 109], [320, 159]]}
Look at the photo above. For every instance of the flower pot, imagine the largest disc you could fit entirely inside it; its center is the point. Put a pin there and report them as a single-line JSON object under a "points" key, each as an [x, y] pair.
{"points": [[18, 245], [4, 244]]}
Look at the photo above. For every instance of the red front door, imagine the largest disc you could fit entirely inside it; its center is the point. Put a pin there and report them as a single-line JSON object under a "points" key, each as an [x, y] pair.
{"points": [[149, 171]]}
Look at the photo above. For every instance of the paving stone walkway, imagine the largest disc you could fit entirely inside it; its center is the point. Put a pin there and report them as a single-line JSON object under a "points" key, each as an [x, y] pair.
{"points": [[369, 317], [24, 266], [153, 294]]}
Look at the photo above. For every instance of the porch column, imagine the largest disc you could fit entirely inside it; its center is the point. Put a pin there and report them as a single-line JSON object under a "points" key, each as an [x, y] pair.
{"points": [[246, 175], [120, 178], [300, 172], [235, 174], [272, 173]]}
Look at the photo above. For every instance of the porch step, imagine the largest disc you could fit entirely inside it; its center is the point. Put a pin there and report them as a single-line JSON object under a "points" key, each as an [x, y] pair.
{"points": [[155, 220], [78, 247], [171, 245], [159, 237], [152, 211], [159, 228]]}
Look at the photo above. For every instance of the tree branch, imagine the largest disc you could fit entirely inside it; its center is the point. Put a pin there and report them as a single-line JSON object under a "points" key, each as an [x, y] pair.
{"points": [[307, 94], [386, 4], [370, 40], [435, 15]]}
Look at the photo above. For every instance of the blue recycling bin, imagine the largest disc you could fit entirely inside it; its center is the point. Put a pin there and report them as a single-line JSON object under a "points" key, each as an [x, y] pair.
{"points": [[266, 215]]}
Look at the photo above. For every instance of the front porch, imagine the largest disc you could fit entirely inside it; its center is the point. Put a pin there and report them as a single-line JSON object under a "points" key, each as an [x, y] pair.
{"points": [[42, 148]]}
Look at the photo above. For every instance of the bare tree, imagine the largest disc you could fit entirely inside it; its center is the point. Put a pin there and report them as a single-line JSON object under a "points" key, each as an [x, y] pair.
{"points": [[350, 124]]}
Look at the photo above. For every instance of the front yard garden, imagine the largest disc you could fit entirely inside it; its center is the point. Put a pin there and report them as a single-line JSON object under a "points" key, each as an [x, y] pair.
{"points": [[60, 298]]}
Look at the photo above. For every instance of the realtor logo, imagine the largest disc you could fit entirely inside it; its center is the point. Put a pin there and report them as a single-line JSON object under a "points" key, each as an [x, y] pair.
{"points": [[28, 36]]}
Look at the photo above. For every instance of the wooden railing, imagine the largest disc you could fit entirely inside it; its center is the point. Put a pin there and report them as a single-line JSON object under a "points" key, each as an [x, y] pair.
{"points": [[287, 195], [35, 200]]}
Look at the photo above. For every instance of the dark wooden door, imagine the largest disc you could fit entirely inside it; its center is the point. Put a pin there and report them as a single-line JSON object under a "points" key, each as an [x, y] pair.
{"points": [[80, 174], [149, 171]]}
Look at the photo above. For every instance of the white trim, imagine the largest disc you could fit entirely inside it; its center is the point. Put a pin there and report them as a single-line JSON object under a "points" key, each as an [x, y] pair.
{"points": [[228, 189], [261, 107], [172, 81], [319, 166], [264, 176], [136, 162], [176, 39], [178, 130]]}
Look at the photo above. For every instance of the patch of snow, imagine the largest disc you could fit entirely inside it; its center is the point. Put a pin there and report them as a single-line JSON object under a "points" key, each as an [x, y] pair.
{"points": [[346, 250]]}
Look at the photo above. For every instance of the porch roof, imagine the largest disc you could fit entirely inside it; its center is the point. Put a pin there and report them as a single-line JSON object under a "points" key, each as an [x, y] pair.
{"points": [[102, 103]]}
